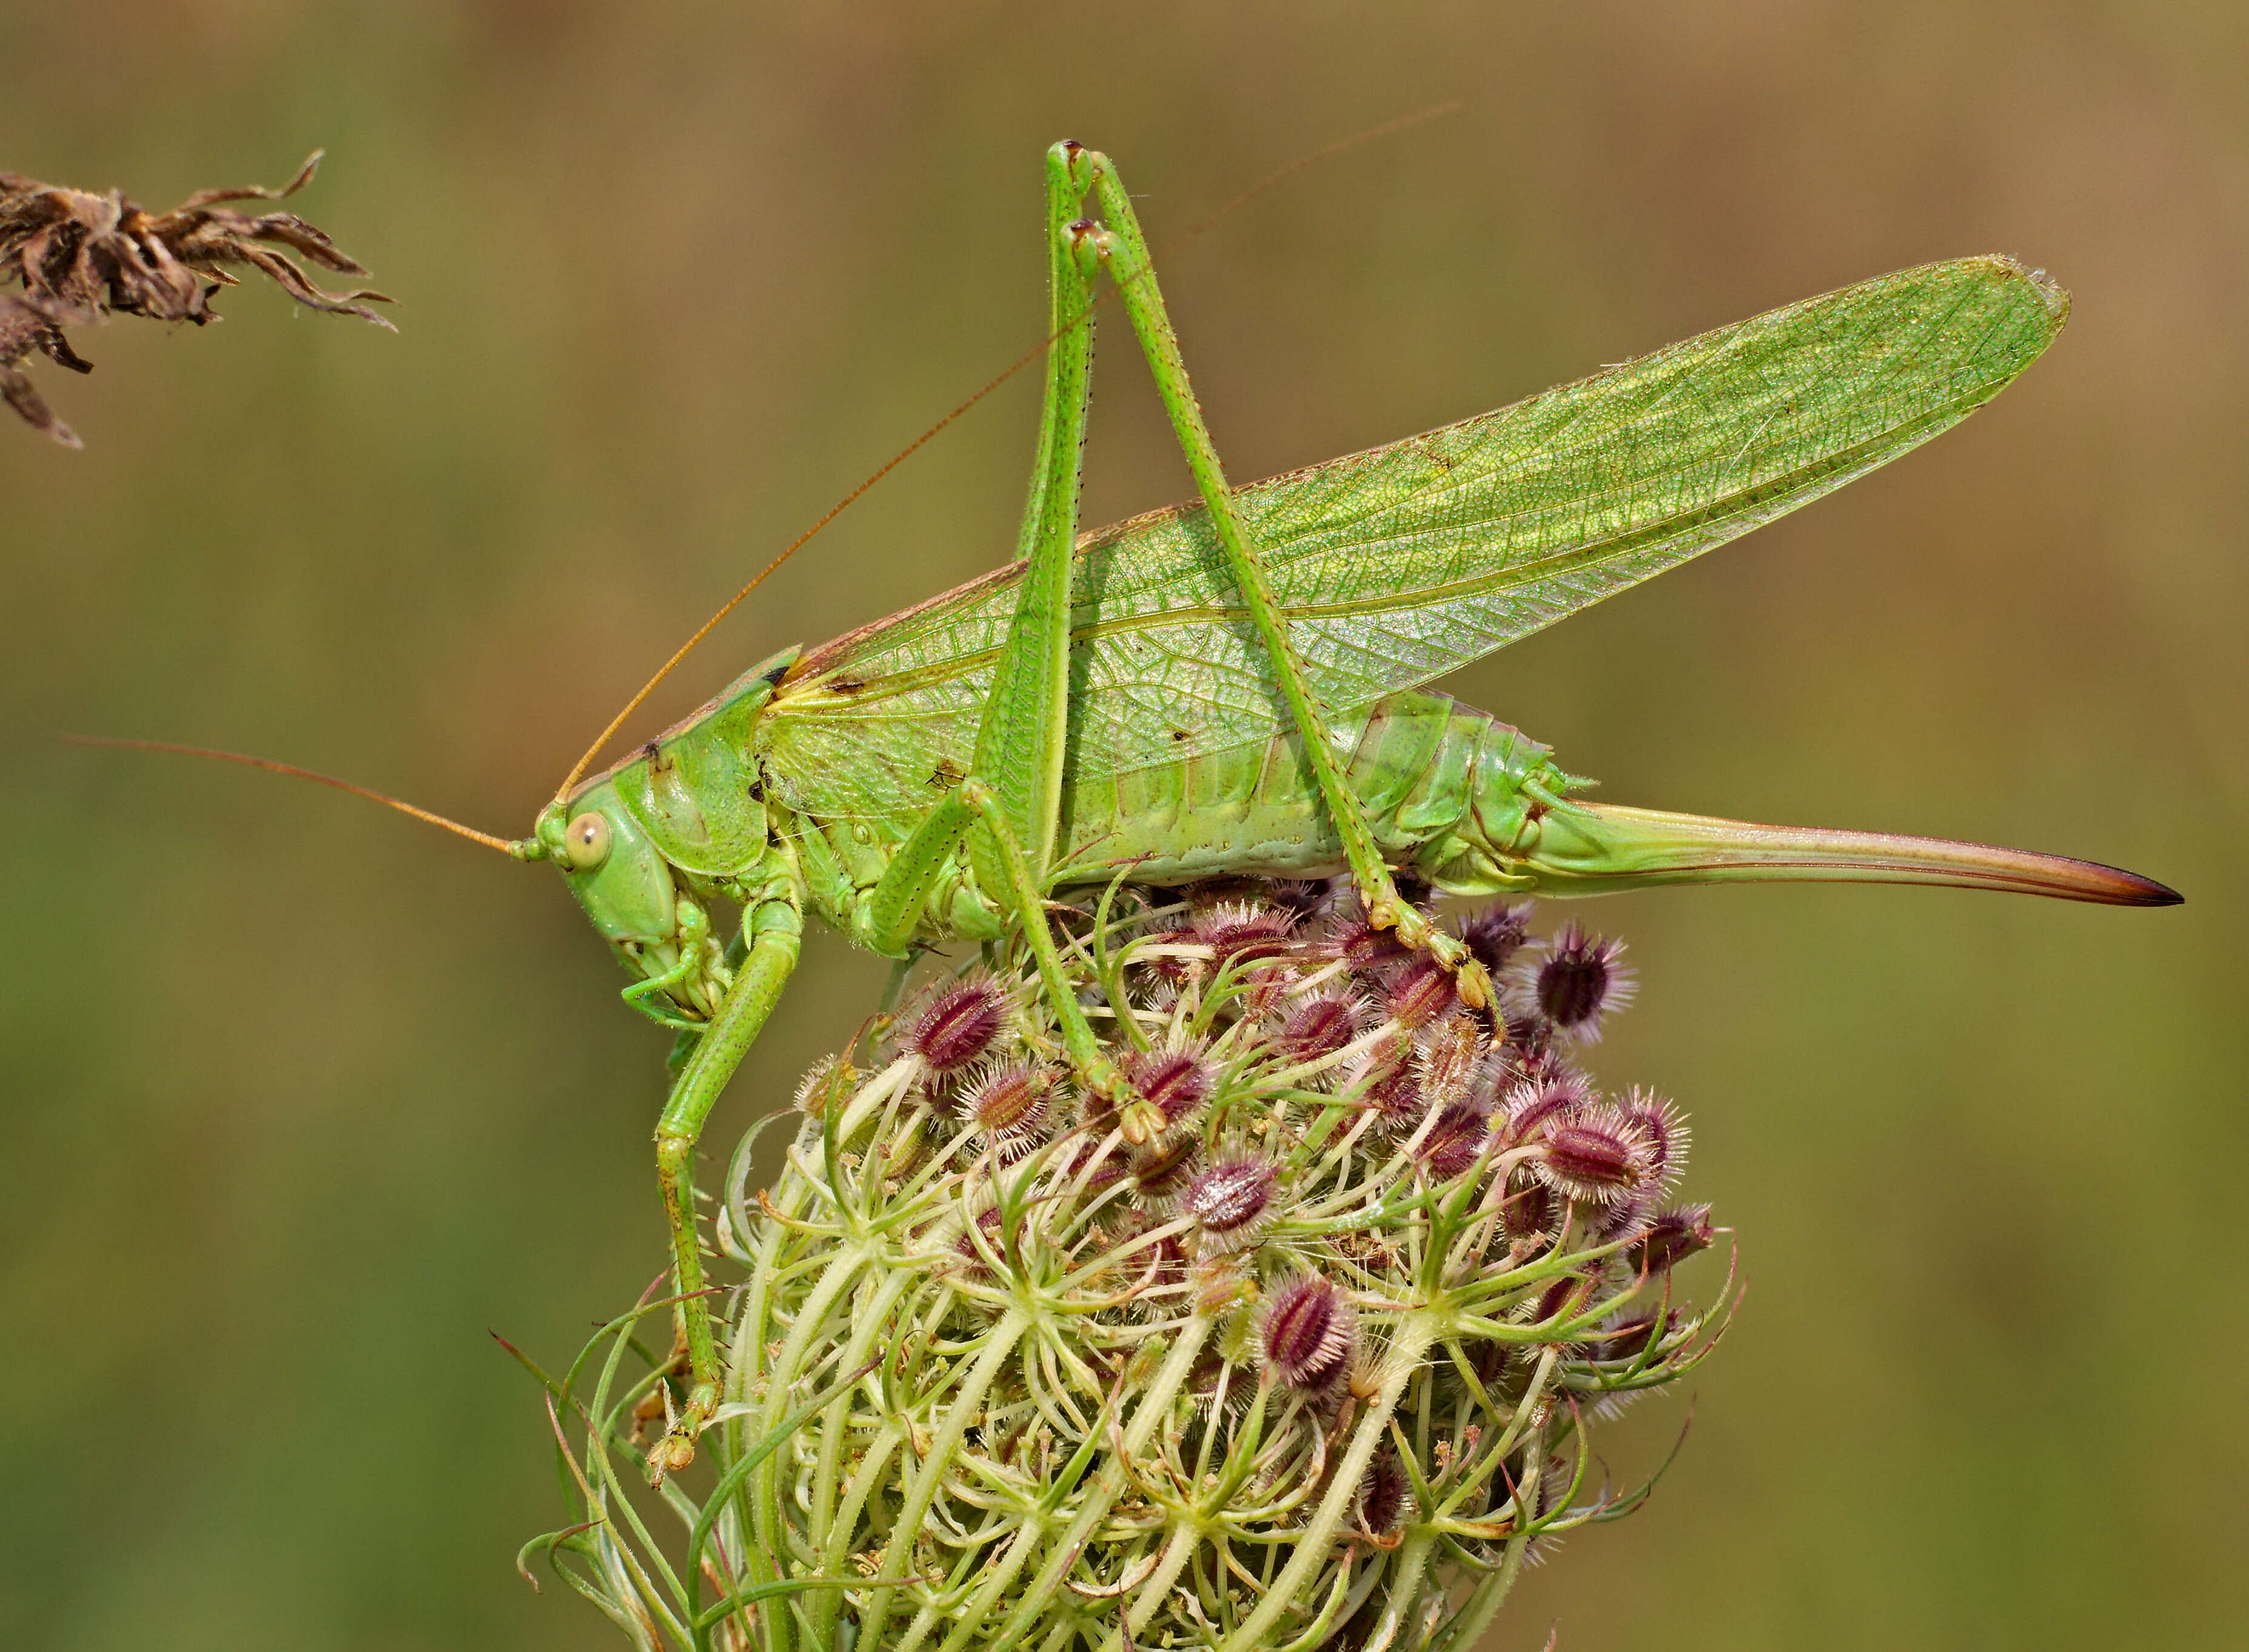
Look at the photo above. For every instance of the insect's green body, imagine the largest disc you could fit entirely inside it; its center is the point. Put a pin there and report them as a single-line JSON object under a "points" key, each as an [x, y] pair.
{"points": [[1237, 686], [1179, 759], [1455, 798]]}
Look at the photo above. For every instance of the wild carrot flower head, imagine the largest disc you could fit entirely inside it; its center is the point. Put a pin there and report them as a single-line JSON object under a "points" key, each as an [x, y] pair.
{"points": [[1571, 982], [1374, 1228]]}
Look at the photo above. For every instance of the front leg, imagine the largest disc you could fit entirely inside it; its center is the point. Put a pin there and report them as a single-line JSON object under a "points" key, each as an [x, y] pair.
{"points": [[1120, 245], [650, 995], [774, 927]]}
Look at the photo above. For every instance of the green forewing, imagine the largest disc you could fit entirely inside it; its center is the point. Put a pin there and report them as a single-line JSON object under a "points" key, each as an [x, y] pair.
{"points": [[1397, 565]]}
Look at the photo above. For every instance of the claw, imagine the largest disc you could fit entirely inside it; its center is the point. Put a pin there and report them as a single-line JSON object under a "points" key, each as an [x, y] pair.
{"points": [[674, 1452], [677, 1449], [1470, 979], [1473, 981], [1142, 1123]]}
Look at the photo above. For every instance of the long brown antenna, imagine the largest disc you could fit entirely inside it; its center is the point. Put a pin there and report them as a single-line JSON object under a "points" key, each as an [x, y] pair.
{"points": [[791, 549], [1368, 135], [402, 807]]}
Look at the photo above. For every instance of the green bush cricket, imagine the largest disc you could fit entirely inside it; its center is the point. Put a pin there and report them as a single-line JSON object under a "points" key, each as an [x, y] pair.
{"points": [[1234, 688]]}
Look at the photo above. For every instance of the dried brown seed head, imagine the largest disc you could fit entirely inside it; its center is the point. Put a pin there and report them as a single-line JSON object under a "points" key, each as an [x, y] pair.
{"points": [[1672, 1236], [1667, 1131], [1535, 1107], [1230, 1198], [1382, 1492], [1530, 1210], [1419, 992], [1454, 1141], [79, 256], [1178, 1081], [970, 1258], [1012, 1105], [1596, 1155], [1496, 933], [1450, 1056], [1318, 1028], [1241, 929], [1571, 982], [1164, 1169]]}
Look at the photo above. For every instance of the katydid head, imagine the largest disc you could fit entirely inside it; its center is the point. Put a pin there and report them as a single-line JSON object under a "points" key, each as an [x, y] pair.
{"points": [[689, 806], [610, 864]]}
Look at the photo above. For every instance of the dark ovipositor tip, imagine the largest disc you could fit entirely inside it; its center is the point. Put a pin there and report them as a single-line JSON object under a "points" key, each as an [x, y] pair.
{"points": [[2146, 891]]}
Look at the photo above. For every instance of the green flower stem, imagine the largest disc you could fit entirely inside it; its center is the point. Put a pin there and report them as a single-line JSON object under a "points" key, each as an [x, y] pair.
{"points": [[1323, 1621], [899, 1551], [1403, 1584], [772, 1543], [1154, 1407], [1409, 1341], [872, 1317], [1186, 1536]]}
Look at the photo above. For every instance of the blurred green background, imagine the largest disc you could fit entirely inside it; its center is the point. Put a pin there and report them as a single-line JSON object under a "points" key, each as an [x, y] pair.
{"points": [[299, 1098]]}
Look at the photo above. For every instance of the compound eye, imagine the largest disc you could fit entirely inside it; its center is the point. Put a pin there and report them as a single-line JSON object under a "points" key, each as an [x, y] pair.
{"points": [[586, 841]]}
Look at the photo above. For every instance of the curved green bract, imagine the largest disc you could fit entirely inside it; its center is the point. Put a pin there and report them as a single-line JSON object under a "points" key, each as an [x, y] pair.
{"points": [[1397, 565]]}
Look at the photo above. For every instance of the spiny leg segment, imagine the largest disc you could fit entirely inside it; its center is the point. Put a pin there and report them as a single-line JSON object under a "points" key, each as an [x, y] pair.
{"points": [[1119, 244], [773, 931]]}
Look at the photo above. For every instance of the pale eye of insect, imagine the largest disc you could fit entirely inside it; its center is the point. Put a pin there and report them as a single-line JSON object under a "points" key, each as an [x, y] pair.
{"points": [[586, 841]]}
